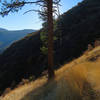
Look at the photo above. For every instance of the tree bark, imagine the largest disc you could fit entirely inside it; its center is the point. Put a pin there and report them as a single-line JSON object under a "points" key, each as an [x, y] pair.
{"points": [[51, 73]]}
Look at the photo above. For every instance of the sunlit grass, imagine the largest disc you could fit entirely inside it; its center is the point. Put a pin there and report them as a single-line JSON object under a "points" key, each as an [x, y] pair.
{"points": [[78, 80]]}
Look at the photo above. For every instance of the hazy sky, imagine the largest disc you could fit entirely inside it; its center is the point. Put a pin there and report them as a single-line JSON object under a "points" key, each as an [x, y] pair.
{"points": [[17, 21]]}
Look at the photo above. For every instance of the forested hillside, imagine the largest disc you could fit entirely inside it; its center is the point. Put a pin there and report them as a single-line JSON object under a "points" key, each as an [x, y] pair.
{"points": [[75, 29]]}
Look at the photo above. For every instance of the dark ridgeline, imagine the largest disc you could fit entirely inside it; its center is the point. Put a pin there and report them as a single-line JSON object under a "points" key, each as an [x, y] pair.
{"points": [[76, 29]]}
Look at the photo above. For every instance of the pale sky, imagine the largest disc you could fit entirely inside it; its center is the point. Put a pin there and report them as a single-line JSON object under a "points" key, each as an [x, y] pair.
{"points": [[18, 21]]}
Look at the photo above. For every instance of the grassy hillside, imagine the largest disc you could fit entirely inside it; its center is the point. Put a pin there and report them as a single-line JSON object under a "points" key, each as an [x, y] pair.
{"points": [[75, 29], [77, 80]]}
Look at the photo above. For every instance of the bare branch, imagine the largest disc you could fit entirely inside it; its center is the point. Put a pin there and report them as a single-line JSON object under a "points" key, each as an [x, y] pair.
{"points": [[31, 11]]}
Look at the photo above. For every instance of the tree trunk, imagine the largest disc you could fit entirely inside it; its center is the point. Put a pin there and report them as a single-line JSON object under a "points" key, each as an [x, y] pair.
{"points": [[51, 73]]}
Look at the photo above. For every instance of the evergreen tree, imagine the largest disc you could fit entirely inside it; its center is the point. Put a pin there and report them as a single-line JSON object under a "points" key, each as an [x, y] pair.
{"points": [[48, 7]]}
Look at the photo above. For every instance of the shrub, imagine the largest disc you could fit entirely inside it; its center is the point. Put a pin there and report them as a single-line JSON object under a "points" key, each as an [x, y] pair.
{"points": [[31, 78], [7, 90], [90, 47], [25, 81]]}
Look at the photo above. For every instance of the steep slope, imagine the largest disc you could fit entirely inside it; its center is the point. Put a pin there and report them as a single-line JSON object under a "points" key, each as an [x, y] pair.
{"points": [[79, 27], [78, 80], [7, 37], [22, 65], [75, 29]]}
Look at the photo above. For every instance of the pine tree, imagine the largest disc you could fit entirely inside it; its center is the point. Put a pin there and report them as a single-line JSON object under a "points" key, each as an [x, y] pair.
{"points": [[48, 7]]}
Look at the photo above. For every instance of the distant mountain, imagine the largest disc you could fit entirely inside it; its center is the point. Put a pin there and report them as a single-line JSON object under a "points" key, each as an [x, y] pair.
{"points": [[2, 29], [7, 37]]}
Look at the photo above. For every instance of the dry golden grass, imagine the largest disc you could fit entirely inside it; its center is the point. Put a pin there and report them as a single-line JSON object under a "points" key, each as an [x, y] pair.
{"points": [[78, 80], [22, 91]]}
